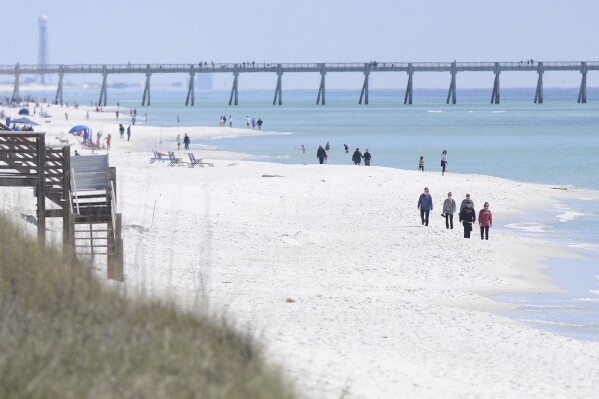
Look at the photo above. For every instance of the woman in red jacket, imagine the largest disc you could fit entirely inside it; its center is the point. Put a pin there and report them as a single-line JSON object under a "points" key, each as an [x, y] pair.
{"points": [[485, 220]]}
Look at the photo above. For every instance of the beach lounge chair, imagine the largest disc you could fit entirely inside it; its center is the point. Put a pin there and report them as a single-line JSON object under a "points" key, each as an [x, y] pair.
{"points": [[160, 157], [174, 160], [199, 162]]}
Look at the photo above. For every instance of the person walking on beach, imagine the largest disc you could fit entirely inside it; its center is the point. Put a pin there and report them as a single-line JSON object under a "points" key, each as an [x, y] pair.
{"points": [[367, 158], [465, 202], [468, 217], [327, 146], [425, 204], [303, 149], [357, 157], [230, 121], [186, 141], [449, 208], [346, 148], [259, 123], [178, 142], [98, 139], [128, 132], [321, 154], [108, 140], [421, 164], [253, 123], [121, 130], [117, 115], [247, 121], [485, 220], [443, 161]]}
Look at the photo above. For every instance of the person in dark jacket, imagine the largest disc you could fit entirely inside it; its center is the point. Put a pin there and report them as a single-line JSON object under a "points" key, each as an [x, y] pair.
{"points": [[186, 141], [449, 208], [468, 217], [357, 157], [485, 220], [346, 148], [321, 154], [367, 158], [425, 204]]}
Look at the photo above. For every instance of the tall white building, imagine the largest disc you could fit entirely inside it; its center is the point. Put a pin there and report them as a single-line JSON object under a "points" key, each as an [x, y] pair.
{"points": [[42, 51]]}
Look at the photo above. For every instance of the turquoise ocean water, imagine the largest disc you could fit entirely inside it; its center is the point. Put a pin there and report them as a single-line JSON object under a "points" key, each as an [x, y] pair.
{"points": [[554, 143]]}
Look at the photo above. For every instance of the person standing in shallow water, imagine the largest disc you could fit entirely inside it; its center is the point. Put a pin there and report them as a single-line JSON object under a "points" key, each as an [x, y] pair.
{"points": [[346, 148], [449, 208], [367, 158], [443, 161], [485, 220], [321, 154], [468, 217], [425, 204], [327, 146], [421, 164]]}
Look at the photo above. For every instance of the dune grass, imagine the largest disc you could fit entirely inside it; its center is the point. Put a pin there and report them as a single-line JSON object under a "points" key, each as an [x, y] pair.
{"points": [[64, 334]]}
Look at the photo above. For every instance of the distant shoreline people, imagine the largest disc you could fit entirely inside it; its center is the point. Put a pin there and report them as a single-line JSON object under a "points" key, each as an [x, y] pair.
{"points": [[367, 158], [303, 149], [485, 221], [357, 157], [425, 205], [186, 141], [230, 121], [443, 161], [421, 164], [178, 142], [128, 132], [253, 123], [327, 146], [259, 123], [346, 148], [121, 130], [321, 154], [247, 122]]}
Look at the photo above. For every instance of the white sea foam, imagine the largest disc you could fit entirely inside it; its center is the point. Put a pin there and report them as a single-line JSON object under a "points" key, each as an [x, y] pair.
{"points": [[552, 323], [531, 227], [570, 215], [585, 245], [498, 112], [434, 111]]}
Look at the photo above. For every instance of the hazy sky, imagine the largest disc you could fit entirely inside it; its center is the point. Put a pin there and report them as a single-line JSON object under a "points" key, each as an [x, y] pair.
{"points": [[177, 31]]}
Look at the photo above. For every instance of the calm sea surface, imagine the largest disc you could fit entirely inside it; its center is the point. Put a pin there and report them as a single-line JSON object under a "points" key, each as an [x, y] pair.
{"points": [[554, 143]]}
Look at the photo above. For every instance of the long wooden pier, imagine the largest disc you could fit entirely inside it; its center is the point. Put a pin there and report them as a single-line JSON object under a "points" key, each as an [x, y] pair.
{"points": [[236, 69]]}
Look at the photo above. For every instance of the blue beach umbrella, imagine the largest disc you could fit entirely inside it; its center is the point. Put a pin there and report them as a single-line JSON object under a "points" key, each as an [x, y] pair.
{"points": [[79, 128], [23, 111], [25, 121]]}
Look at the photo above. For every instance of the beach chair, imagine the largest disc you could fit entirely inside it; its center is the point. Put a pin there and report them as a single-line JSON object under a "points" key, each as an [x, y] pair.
{"points": [[175, 161], [160, 157], [199, 162]]}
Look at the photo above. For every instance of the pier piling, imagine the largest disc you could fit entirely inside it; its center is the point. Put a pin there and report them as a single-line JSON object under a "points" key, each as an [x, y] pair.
{"points": [[190, 89], [582, 93], [408, 97], [539, 91], [278, 90], [147, 88], [451, 93], [495, 95], [58, 98], [321, 89], [364, 92], [234, 89]]}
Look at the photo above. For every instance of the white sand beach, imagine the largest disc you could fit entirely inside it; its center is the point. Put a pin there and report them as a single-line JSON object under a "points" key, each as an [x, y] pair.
{"points": [[330, 267]]}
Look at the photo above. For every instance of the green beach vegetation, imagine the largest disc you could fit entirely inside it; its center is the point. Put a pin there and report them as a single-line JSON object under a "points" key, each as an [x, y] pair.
{"points": [[64, 334]]}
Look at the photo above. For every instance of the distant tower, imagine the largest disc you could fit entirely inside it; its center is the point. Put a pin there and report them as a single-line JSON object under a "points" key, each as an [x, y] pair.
{"points": [[42, 52]]}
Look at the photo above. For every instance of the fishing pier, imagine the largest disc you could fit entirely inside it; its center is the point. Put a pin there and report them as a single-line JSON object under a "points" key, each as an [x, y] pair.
{"points": [[236, 69]]}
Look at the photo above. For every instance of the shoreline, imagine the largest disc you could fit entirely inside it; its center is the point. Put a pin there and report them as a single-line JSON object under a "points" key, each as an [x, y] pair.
{"points": [[335, 274]]}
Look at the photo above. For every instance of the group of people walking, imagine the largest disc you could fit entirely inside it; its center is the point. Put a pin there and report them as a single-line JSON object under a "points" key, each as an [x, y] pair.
{"points": [[356, 158], [467, 214]]}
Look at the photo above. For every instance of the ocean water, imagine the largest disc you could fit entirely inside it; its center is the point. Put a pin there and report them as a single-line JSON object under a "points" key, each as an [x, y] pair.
{"points": [[553, 143]]}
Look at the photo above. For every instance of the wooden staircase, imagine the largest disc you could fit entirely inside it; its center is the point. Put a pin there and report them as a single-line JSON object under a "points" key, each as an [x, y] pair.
{"points": [[81, 189]]}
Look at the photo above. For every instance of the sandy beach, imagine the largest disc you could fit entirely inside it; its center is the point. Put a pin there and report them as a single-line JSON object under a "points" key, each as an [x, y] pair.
{"points": [[330, 267]]}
